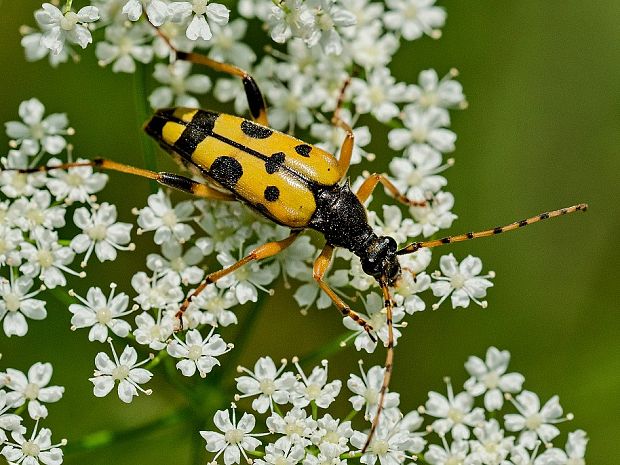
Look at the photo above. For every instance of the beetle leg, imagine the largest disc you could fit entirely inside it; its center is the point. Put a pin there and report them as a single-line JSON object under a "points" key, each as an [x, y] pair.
{"points": [[321, 265], [171, 180], [346, 149], [256, 102], [264, 251], [370, 183], [389, 362]]}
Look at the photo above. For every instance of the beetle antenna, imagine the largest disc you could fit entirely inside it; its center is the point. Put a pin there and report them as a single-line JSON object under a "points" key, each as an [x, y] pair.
{"points": [[415, 246], [389, 361]]}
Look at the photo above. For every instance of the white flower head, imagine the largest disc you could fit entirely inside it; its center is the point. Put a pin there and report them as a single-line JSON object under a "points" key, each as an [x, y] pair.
{"points": [[461, 282], [168, 222], [59, 27], [198, 353], [295, 425], [440, 93], [33, 388], [435, 215], [267, 382], [282, 452], [454, 414], [76, 184], [215, 304], [314, 388], [489, 377], [101, 314], [175, 261], [533, 420], [154, 332], [204, 14], [34, 451], [100, 233], [36, 212], [178, 84], [36, 132], [247, 280], [157, 11], [9, 421], [17, 302], [419, 171], [123, 47], [414, 18], [161, 291], [367, 388], [14, 184], [124, 370], [235, 438], [490, 446]]}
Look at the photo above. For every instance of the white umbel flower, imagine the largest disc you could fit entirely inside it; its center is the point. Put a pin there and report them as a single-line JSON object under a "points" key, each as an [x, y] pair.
{"points": [[38, 449], [123, 47], [157, 11], [59, 27], [461, 282], [414, 18], [315, 388], [203, 12], [101, 313], [168, 222], [235, 438], [100, 233], [267, 382], [489, 377], [178, 84], [124, 370], [17, 303], [77, 184], [367, 388], [423, 127], [33, 388], [198, 353]]}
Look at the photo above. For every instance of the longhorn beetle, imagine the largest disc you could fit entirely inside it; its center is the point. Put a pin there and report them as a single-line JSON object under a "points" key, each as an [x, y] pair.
{"points": [[290, 182]]}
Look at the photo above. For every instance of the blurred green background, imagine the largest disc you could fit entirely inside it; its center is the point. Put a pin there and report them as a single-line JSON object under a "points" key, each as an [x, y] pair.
{"points": [[542, 131]]}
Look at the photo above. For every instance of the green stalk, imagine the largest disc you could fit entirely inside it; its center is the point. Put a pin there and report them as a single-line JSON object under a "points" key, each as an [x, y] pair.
{"points": [[324, 352]]}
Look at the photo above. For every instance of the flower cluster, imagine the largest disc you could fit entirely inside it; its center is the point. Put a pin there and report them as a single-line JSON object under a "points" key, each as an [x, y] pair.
{"points": [[20, 392], [296, 426]]}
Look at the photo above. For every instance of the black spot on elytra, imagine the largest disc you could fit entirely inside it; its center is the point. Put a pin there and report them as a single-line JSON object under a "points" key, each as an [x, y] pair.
{"points": [[272, 193], [226, 170], [274, 162], [303, 150], [254, 130]]}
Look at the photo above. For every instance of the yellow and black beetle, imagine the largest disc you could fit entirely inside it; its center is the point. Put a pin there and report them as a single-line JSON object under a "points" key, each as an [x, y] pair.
{"points": [[292, 183]]}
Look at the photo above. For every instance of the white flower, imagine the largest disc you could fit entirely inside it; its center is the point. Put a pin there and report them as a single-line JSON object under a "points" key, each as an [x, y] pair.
{"points": [[307, 294], [267, 382], [198, 353], [461, 282], [215, 303], [159, 291], [47, 259], [315, 387], [490, 378], [454, 413], [393, 224], [377, 318], [332, 435], [15, 184], [419, 171], [293, 261], [423, 126], [490, 446], [38, 449], [379, 93], [166, 221], [17, 303], [100, 233], [34, 388], [70, 26], [77, 184], [291, 105], [202, 10], [100, 313], [388, 444], [37, 132], [533, 421], [444, 93], [124, 370], [34, 50], [237, 437], [407, 290], [37, 211], [282, 452], [574, 454], [373, 48], [123, 46], [9, 421], [291, 18], [435, 215], [176, 262], [177, 85], [154, 333], [448, 454], [157, 11], [9, 241], [246, 281], [296, 426], [367, 388], [413, 18], [226, 45], [329, 17]]}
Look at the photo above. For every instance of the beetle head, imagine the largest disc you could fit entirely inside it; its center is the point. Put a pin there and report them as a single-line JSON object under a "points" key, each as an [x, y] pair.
{"points": [[380, 260]]}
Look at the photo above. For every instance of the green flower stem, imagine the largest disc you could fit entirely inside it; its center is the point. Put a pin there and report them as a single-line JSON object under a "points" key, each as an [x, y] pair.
{"points": [[157, 359], [61, 296], [144, 112], [255, 453], [351, 415], [106, 438], [315, 410]]}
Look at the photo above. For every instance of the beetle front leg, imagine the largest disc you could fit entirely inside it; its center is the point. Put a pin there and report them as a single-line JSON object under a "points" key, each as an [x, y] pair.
{"points": [[321, 265]]}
